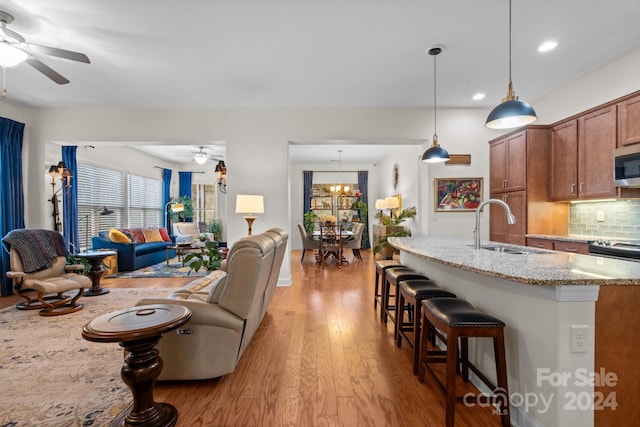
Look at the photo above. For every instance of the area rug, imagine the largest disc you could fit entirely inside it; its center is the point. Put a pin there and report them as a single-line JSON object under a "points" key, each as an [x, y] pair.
{"points": [[161, 269], [51, 376]]}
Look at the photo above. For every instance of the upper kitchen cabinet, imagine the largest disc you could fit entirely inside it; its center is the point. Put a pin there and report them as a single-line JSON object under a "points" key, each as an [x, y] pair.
{"points": [[582, 156], [519, 175], [629, 121], [508, 163]]}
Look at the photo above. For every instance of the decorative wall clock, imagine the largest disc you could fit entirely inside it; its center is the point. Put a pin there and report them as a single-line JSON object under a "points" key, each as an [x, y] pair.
{"points": [[395, 176]]}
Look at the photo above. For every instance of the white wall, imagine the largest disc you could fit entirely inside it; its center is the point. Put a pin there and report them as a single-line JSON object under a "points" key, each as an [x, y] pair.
{"points": [[257, 144]]}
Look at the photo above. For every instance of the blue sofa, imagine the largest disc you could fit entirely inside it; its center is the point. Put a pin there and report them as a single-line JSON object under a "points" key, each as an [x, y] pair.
{"points": [[132, 256]]}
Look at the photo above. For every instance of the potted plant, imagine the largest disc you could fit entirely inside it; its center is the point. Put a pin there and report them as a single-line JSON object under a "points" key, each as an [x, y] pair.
{"points": [[185, 214], [208, 257], [310, 218], [215, 228], [361, 207], [394, 229]]}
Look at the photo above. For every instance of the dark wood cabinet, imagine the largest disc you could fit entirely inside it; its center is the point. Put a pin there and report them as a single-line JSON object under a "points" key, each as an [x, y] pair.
{"points": [[559, 245], [582, 156], [596, 142], [575, 247], [501, 231], [519, 175], [535, 242], [508, 163], [564, 161], [629, 121]]}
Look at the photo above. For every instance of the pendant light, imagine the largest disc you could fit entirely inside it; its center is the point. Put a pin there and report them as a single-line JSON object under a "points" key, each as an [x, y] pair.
{"points": [[435, 153], [512, 112]]}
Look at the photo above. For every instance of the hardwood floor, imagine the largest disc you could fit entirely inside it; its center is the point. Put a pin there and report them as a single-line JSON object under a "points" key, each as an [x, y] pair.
{"points": [[321, 357]]}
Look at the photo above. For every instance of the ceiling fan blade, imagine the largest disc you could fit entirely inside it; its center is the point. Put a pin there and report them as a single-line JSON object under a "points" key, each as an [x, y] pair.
{"points": [[47, 71], [60, 53]]}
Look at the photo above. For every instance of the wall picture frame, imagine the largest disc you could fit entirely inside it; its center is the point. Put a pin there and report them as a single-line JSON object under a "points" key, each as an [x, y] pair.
{"points": [[458, 194]]}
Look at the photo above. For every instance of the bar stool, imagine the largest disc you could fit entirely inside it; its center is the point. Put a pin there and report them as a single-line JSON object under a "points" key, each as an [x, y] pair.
{"points": [[381, 266], [457, 318], [391, 278], [413, 292]]}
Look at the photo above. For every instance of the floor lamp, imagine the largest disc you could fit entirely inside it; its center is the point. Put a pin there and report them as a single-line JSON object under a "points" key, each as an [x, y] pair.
{"points": [[174, 207], [104, 211], [250, 205]]}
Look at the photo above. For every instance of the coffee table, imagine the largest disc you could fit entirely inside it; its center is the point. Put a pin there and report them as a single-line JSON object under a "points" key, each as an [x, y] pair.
{"points": [[181, 250], [138, 330]]}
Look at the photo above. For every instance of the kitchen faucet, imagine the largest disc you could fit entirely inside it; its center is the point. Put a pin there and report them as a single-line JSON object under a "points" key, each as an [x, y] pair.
{"points": [[510, 218]]}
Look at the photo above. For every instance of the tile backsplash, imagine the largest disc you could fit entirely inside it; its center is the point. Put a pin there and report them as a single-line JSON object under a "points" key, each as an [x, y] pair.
{"points": [[619, 219]]}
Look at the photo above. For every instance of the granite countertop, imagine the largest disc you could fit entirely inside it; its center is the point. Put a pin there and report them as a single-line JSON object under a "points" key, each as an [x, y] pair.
{"points": [[535, 267], [578, 239]]}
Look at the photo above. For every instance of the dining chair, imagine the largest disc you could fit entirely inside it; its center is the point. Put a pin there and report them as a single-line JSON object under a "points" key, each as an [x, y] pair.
{"points": [[354, 242], [331, 243], [307, 243]]}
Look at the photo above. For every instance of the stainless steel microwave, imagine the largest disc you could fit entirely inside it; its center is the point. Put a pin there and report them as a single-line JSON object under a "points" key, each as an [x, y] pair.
{"points": [[626, 167]]}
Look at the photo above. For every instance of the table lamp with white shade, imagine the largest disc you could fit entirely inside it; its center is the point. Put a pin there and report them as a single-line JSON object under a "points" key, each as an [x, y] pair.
{"points": [[249, 204], [392, 203]]}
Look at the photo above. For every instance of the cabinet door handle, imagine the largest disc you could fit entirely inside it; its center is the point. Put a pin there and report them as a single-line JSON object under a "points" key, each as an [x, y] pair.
{"points": [[571, 249], [573, 189], [580, 187]]}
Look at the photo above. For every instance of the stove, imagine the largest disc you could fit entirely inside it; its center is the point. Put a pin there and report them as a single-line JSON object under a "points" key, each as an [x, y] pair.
{"points": [[629, 251]]}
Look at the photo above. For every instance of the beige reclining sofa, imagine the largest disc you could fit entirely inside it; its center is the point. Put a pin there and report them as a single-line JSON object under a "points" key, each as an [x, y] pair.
{"points": [[227, 305]]}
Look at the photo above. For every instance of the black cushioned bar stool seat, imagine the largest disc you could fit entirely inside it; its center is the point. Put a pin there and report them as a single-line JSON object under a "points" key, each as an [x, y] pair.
{"points": [[391, 278], [413, 292], [381, 266], [457, 318]]}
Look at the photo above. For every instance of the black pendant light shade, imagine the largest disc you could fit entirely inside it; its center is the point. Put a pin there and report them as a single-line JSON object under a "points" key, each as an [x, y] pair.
{"points": [[435, 153], [512, 112]]}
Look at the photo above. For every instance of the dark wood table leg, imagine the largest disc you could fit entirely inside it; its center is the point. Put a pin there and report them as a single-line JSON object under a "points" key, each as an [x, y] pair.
{"points": [[96, 274], [140, 370]]}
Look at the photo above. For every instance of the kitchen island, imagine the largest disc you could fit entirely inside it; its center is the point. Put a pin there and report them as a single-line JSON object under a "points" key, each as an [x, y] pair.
{"points": [[545, 297]]}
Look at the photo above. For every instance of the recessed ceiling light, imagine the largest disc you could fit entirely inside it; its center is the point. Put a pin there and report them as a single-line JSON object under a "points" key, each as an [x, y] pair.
{"points": [[478, 96], [547, 46]]}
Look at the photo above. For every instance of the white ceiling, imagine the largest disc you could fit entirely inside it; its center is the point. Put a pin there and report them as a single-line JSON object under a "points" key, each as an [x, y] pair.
{"points": [[304, 53]]}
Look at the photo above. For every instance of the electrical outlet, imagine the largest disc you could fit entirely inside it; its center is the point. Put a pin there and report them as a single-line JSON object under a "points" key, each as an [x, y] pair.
{"points": [[579, 338], [600, 216]]}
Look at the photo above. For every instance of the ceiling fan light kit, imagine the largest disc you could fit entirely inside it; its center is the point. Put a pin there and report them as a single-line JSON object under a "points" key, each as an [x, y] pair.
{"points": [[14, 49], [512, 112]]}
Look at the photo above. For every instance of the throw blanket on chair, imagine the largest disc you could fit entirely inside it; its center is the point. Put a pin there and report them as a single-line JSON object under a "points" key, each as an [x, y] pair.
{"points": [[36, 247]]}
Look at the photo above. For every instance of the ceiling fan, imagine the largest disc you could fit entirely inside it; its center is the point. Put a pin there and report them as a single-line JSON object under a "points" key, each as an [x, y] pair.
{"points": [[201, 156], [21, 50]]}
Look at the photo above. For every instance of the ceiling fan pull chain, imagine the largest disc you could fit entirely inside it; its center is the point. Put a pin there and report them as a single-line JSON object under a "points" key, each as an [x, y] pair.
{"points": [[4, 82]]}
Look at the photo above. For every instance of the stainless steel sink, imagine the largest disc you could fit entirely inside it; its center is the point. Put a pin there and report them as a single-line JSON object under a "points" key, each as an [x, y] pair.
{"points": [[505, 250]]}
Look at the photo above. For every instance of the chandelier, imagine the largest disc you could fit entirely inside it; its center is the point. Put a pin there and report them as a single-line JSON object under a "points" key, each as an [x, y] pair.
{"points": [[339, 189]]}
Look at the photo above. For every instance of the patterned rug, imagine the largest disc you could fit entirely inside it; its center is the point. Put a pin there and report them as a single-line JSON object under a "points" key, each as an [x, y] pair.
{"points": [[52, 376], [161, 269]]}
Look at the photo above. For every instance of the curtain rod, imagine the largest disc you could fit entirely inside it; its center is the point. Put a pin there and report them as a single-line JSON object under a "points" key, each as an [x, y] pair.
{"points": [[160, 167]]}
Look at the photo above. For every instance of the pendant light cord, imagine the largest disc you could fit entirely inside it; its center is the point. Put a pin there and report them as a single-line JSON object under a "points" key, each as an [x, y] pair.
{"points": [[435, 96], [509, 41]]}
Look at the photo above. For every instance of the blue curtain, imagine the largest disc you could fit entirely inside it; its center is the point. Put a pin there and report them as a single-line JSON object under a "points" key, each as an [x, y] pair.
{"points": [[70, 200], [363, 186], [166, 194], [307, 184], [11, 194], [184, 183]]}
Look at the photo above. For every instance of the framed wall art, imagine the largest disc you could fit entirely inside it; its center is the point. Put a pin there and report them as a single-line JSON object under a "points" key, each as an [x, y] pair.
{"points": [[457, 194]]}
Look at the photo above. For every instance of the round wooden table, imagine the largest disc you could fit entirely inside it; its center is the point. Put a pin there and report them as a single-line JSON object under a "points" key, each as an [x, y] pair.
{"points": [[96, 259], [138, 330]]}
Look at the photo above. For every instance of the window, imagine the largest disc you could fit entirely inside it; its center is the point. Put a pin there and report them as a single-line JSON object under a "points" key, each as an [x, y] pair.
{"points": [[204, 202], [145, 202], [135, 201]]}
